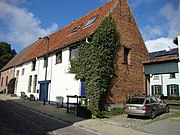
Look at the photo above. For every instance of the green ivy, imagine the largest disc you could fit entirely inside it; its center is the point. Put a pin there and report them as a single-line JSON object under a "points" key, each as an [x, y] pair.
{"points": [[96, 63]]}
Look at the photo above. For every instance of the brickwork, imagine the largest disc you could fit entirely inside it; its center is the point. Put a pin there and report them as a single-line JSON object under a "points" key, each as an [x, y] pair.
{"points": [[129, 79]]}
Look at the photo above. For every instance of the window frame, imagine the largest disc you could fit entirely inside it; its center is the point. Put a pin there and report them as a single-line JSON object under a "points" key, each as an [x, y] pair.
{"points": [[172, 76], [75, 29], [2, 79], [76, 55], [45, 62], [173, 89], [59, 57], [29, 83], [35, 83], [23, 70], [126, 56], [91, 21], [33, 68]]}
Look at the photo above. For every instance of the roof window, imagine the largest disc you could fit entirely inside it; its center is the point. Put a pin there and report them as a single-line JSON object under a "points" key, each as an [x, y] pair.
{"points": [[75, 29], [91, 21]]}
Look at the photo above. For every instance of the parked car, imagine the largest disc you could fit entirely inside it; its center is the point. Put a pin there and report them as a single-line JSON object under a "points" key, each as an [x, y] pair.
{"points": [[148, 106]]}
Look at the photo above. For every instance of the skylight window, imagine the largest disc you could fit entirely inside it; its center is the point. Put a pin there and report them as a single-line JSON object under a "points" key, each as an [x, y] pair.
{"points": [[75, 29], [91, 21]]}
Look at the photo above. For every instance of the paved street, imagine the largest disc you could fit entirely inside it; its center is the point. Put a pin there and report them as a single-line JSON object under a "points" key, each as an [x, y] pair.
{"points": [[163, 127], [17, 120], [24, 117]]}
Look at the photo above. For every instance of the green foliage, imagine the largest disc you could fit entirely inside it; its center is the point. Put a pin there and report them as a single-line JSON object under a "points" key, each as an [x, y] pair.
{"points": [[6, 54], [114, 111], [107, 113], [11, 86], [96, 63]]}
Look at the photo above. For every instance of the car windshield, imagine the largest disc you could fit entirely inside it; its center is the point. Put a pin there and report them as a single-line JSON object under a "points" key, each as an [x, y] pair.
{"points": [[135, 101]]}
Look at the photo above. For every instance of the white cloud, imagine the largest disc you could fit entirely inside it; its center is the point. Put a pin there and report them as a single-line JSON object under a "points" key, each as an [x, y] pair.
{"points": [[172, 16], [160, 44], [23, 26], [151, 32]]}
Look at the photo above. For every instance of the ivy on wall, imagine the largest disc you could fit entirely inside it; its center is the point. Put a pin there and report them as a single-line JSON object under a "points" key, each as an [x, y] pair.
{"points": [[96, 63]]}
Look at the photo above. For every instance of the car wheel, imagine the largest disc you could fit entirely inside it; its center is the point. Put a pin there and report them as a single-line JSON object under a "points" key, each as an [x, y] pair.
{"points": [[167, 109], [153, 114]]}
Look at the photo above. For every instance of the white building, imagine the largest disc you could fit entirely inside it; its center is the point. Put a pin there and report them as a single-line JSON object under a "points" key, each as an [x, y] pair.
{"points": [[163, 70]]}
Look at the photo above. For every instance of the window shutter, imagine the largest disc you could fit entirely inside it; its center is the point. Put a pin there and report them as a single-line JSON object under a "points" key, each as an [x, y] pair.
{"points": [[168, 90], [177, 91], [160, 89], [152, 90]]}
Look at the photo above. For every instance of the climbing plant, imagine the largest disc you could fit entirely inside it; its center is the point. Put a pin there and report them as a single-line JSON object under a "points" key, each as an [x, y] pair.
{"points": [[96, 63]]}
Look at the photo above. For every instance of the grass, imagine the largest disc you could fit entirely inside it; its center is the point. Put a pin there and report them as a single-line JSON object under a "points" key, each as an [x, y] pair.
{"points": [[172, 101]]}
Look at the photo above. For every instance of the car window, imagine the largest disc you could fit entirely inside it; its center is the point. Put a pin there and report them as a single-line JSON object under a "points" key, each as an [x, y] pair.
{"points": [[159, 100], [153, 100], [147, 101], [135, 101]]}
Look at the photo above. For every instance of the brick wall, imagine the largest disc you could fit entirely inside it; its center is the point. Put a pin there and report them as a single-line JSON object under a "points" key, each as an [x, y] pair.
{"points": [[129, 79]]}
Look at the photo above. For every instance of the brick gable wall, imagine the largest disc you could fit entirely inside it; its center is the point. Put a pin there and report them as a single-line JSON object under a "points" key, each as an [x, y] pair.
{"points": [[129, 79]]}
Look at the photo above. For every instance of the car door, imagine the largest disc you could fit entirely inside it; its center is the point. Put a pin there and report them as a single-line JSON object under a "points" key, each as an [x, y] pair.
{"points": [[155, 104], [162, 105]]}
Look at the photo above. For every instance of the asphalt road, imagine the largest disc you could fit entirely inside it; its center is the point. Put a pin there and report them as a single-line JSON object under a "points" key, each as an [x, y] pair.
{"points": [[163, 127], [18, 120]]}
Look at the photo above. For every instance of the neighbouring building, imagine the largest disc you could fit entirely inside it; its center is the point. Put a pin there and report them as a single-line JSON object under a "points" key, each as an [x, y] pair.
{"points": [[162, 70], [34, 72], [8, 71]]}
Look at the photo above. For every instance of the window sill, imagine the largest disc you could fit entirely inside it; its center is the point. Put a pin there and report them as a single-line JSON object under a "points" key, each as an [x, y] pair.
{"points": [[127, 64]]}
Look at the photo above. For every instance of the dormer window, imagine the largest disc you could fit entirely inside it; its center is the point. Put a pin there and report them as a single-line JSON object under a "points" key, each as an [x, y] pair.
{"points": [[75, 29], [91, 21]]}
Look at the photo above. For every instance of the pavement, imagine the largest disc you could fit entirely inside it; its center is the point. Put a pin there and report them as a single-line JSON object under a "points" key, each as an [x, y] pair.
{"points": [[95, 125]]}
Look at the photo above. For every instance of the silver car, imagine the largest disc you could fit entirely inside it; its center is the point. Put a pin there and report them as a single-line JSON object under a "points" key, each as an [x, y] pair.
{"points": [[148, 106]]}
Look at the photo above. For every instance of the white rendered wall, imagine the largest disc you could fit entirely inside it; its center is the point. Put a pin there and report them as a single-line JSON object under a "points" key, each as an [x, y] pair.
{"points": [[164, 80], [62, 82]]}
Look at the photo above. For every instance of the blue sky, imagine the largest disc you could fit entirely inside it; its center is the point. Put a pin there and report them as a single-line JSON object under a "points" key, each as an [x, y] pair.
{"points": [[23, 21]]}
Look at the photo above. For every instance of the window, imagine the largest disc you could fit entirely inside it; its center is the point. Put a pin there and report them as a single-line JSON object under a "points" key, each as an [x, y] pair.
{"points": [[172, 75], [6, 80], [17, 73], [91, 21], [173, 89], [59, 57], [73, 52], [135, 101], [23, 71], [126, 55], [75, 29], [35, 83], [45, 62], [156, 77], [30, 84], [156, 90], [33, 65], [2, 81]]}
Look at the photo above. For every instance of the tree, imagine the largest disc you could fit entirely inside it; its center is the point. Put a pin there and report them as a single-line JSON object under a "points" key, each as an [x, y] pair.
{"points": [[6, 53]]}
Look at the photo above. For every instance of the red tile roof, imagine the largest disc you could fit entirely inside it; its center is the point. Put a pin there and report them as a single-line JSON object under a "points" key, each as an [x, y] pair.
{"points": [[64, 37]]}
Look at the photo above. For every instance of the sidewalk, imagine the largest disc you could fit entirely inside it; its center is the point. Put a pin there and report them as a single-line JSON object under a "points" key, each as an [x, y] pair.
{"points": [[94, 125]]}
